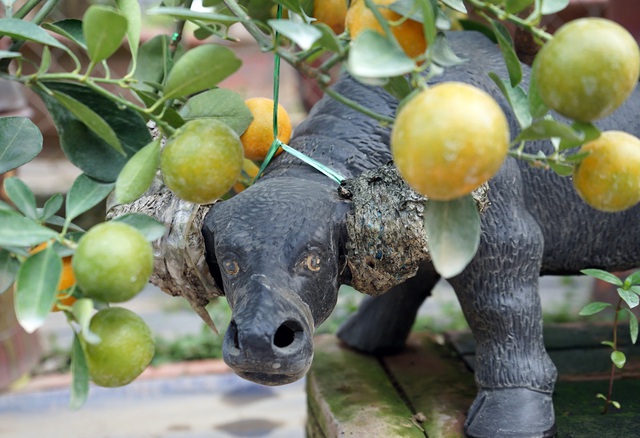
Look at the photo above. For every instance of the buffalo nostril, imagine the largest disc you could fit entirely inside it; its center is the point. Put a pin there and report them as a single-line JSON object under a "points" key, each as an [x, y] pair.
{"points": [[233, 332], [287, 333]]}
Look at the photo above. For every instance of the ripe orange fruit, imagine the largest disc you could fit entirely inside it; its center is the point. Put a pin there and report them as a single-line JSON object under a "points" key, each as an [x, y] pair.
{"points": [[449, 139], [202, 160], [113, 262], [608, 179], [332, 13], [125, 349], [67, 279], [258, 137], [588, 69], [410, 33]]}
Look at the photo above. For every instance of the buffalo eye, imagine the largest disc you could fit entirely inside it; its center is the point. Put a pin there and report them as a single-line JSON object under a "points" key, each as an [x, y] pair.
{"points": [[231, 267], [312, 262]]}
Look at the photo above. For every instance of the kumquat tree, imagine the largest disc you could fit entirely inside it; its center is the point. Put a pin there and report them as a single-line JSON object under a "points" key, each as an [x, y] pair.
{"points": [[213, 143]]}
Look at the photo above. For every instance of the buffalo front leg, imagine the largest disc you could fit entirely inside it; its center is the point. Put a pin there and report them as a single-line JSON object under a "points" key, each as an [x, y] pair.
{"points": [[382, 324], [498, 293]]}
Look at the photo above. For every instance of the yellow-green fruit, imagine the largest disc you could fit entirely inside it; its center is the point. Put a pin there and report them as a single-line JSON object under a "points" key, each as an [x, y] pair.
{"points": [[202, 160], [608, 179], [125, 349], [449, 139], [588, 69], [113, 262]]}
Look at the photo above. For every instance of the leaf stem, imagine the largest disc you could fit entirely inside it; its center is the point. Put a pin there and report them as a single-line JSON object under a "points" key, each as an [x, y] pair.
{"points": [[384, 120], [502, 15], [613, 365]]}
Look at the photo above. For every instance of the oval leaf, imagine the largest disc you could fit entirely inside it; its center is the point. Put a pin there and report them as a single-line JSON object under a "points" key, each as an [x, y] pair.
{"points": [[36, 287], [517, 98], [304, 35], [84, 194], [453, 233], [514, 67], [373, 56], [593, 308], [9, 266], [25, 30], [70, 28], [51, 207], [618, 358], [552, 6], [85, 149], [629, 297], [222, 104], [17, 230], [546, 128], [137, 175], [150, 228], [602, 275], [200, 68], [153, 62], [20, 142], [633, 325], [93, 121], [21, 196], [79, 375], [189, 14], [131, 10], [634, 278], [83, 311], [103, 28]]}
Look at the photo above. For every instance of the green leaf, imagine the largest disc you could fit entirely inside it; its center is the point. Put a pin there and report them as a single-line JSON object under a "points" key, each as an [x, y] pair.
{"points": [[103, 28], [328, 40], [618, 358], [85, 149], [633, 278], [82, 310], [552, 6], [517, 98], [615, 404], [17, 230], [131, 10], [629, 297], [374, 56], [295, 6], [585, 131], [153, 62], [137, 175], [70, 28], [79, 375], [224, 105], [92, 120], [6, 54], [9, 266], [443, 54], [608, 344], [189, 14], [593, 308], [25, 30], [21, 196], [561, 168], [84, 194], [51, 207], [429, 26], [633, 325], [304, 35], [514, 67], [516, 6], [148, 226], [398, 87], [20, 142], [546, 128], [36, 287], [453, 233], [169, 114], [536, 104], [456, 5], [478, 27], [603, 275], [200, 68]]}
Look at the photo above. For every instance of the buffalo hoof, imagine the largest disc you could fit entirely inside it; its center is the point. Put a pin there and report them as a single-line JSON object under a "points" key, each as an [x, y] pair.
{"points": [[511, 413]]}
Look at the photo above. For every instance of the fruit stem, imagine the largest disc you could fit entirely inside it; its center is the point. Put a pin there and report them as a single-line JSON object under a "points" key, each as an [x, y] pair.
{"points": [[502, 15]]}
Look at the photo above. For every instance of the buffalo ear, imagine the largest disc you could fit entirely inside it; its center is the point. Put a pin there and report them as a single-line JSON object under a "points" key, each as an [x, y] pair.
{"points": [[208, 235]]}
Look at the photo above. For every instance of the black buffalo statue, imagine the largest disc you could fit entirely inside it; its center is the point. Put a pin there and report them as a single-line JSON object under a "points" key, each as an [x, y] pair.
{"points": [[278, 251]]}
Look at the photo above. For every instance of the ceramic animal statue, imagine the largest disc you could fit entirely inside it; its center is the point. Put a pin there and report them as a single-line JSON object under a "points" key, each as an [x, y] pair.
{"points": [[277, 250]]}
